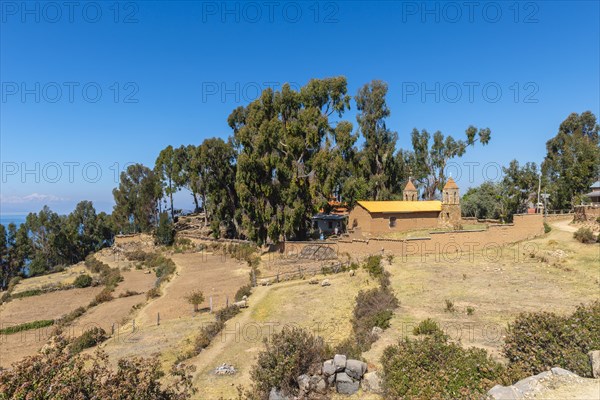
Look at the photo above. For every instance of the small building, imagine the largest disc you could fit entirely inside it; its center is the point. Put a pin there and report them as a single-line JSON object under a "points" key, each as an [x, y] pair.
{"points": [[594, 195], [327, 223], [381, 217]]}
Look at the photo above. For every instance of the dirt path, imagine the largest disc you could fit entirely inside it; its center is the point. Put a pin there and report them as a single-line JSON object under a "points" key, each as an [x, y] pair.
{"points": [[564, 225]]}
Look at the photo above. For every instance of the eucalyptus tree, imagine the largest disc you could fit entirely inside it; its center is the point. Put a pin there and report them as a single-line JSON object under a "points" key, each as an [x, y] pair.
{"points": [[168, 168]]}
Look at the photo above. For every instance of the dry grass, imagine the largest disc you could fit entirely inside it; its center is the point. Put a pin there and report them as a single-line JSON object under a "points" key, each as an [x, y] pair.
{"points": [[67, 277]]}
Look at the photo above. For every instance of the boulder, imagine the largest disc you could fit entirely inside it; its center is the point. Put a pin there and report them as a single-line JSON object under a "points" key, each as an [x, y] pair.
{"points": [[371, 382], [329, 368], [500, 392], [325, 282], [304, 383], [594, 356], [561, 372], [376, 331], [345, 384], [277, 395], [339, 361], [355, 368], [318, 384]]}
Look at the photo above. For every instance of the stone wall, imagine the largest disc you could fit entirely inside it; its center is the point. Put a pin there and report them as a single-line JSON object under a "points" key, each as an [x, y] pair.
{"points": [[524, 227]]}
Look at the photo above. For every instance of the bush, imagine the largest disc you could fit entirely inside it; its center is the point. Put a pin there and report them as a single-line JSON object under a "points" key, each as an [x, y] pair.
{"points": [[153, 293], [102, 297], [427, 327], [83, 281], [584, 235], [433, 368], [470, 310], [206, 335], [55, 373], [243, 291], [373, 266], [27, 293], [72, 316], [27, 326], [288, 354], [226, 313], [547, 227], [195, 298], [165, 232], [89, 338], [129, 293], [373, 308], [136, 255], [539, 341], [450, 306]]}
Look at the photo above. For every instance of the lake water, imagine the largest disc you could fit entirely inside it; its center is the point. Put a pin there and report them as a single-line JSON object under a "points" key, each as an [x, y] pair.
{"points": [[16, 219]]}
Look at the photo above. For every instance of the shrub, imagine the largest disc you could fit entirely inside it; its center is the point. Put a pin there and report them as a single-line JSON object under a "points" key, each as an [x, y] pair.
{"points": [[226, 313], [584, 235], [373, 308], [153, 293], [539, 341], [72, 316], [165, 232], [27, 293], [243, 291], [547, 227], [136, 255], [196, 298], [89, 338], [129, 293], [470, 310], [433, 368], [373, 266], [206, 335], [427, 327], [288, 354], [58, 374], [102, 297], [83, 281], [26, 326], [450, 306]]}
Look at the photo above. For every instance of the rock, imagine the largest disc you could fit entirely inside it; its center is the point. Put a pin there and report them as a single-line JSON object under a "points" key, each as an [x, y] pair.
{"points": [[225, 369], [325, 282], [355, 368], [352, 272], [345, 384], [529, 385], [277, 395], [339, 361], [304, 383], [562, 372], [594, 356], [331, 380], [371, 382], [377, 331], [500, 392], [318, 384], [329, 368]]}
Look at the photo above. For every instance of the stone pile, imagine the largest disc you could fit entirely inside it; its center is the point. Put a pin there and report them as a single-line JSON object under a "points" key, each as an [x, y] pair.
{"points": [[225, 369], [340, 374]]}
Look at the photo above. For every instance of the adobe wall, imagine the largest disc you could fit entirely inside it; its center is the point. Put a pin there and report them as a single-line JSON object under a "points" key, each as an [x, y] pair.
{"points": [[379, 223], [524, 227]]}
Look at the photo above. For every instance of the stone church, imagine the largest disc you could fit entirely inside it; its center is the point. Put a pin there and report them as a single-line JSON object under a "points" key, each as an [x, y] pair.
{"points": [[372, 218]]}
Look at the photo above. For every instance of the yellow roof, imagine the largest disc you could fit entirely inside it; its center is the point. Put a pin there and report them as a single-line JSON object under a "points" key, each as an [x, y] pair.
{"points": [[401, 206]]}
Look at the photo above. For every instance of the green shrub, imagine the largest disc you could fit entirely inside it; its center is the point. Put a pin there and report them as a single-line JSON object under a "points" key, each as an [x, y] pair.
{"points": [[72, 316], [243, 291], [136, 255], [83, 281], [547, 227], [195, 298], [434, 368], [287, 355], [27, 293], [427, 327], [89, 338], [206, 335], [26, 326], [102, 297], [373, 266], [470, 310], [584, 235], [165, 232], [226, 313], [539, 341], [372, 308]]}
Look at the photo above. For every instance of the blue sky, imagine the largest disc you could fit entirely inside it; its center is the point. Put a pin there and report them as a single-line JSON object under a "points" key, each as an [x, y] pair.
{"points": [[89, 89]]}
